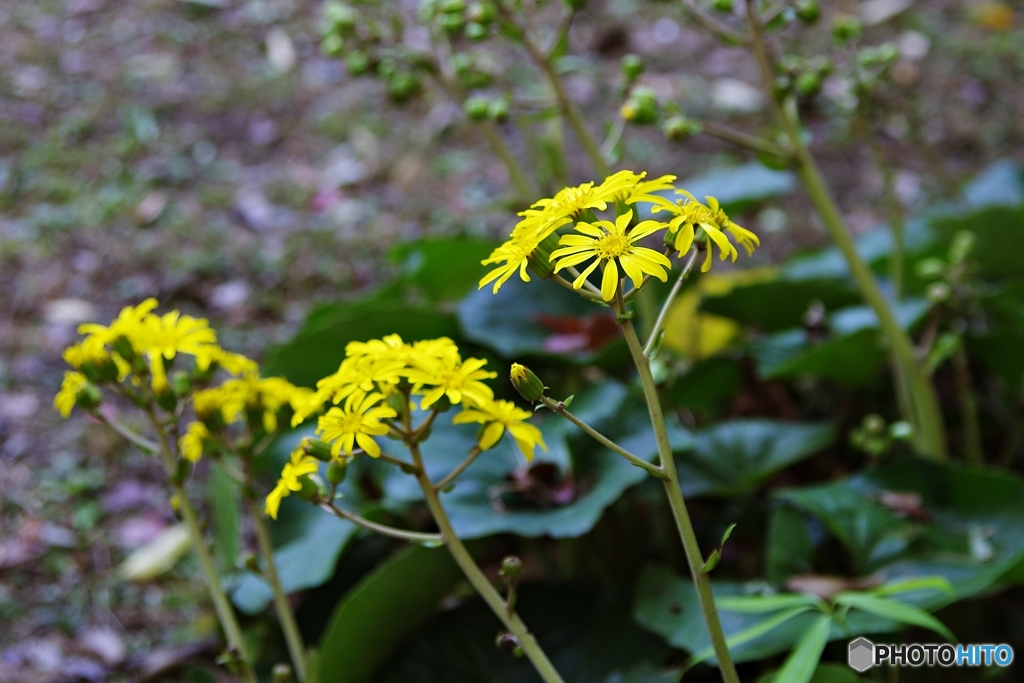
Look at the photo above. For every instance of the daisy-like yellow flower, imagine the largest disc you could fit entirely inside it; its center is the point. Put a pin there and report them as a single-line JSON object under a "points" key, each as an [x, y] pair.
{"points": [[512, 255], [233, 363], [643, 190], [612, 245], [500, 416], [172, 332], [191, 442], [300, 465], [743, 237], [691, 214], [128, 324], [449, 376], [92, 354], [356, 423], [67, 397]]}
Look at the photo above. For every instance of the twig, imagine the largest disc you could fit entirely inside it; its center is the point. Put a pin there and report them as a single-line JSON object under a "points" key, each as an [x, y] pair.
{"points": [[663, 315], [473, 453], [384, 529]]}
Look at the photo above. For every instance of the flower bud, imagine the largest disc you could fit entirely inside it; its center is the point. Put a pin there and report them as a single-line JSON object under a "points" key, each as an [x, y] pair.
{"points": [[526, 383], [807, 11], [846, 28], [477, 107], [506, 642], [341, 17], [332, 45], [357, 63], [722, 5], [402, 85], [930, 268], [641, 107], [678, 128], [475, 31], [311, 488], [317, 448], [808, 83], [281, 673], [124, 348], [632, 67], [481, 13], [89, 397], [181, 383], [451, 22], [511, 568], [498, 110], [336, 471]]}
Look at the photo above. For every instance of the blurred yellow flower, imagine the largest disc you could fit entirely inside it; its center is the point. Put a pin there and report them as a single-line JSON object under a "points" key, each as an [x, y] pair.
{"points": [[500, 416], [191, 442], [612, 245], [67, 397], [300, 465]]}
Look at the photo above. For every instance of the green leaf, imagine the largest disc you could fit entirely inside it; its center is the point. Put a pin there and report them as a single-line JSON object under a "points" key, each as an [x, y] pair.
{"points": [[538, 318], [587, 633], [442, 268], [319, 346], [374, 618], [897, 611], [762, 604], [766, 625], [999, 237], [225, 500], [938, 583], [801, 664], [779, 304], [789, 545], [708, 385], [735, 457], [825, 673], [727, 534]]}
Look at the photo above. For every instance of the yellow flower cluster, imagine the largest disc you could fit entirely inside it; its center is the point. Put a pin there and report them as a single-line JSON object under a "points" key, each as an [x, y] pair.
{"points": [[376, 371], [612, 244]]}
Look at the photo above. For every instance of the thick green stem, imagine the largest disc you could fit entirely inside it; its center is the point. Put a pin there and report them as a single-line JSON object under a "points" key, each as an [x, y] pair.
{"points": [[694, 558], [225, 613], [531, 648], [285, 615], [929, 431], [559, 408], [968, 408]]}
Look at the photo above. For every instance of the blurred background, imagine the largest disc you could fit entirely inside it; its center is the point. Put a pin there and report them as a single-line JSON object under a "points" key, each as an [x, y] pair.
{"points": [[210, 154]]}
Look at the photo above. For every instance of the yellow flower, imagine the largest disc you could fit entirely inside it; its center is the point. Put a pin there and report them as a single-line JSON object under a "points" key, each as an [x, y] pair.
{"points": [[497, 417], [67, 397], [611, 245], [642, 191], [300, 465], [513, 255], [233, 363], [692, 214], [449, 376], [128, 323], [172, 332], [355, 424], [191, 442], [91, 351]]}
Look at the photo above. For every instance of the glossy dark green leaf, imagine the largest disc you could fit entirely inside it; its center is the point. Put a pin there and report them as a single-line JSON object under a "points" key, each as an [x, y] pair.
{"points": [[588, 635], [373, 618], [734, 457], [443, 268], [708, 385], [319, 346], [779, 304]]}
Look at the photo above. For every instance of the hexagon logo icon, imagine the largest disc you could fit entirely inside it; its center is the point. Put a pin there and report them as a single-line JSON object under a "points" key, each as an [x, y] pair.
{"points": [[861, 656]]}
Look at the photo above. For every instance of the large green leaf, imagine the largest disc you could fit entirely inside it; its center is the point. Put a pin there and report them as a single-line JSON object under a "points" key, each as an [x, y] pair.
{"points": [[305, 558], [708, 385], [779, 304], [999, 239], [538, 318], [734, 457], [443, 268], [851, 354], [319, 346], [374, 617], [588, 635]]}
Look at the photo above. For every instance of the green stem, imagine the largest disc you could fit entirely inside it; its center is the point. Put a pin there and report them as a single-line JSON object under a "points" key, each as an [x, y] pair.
{"points": [[531, 648], [742, 139], [968, 407], [893, 212], [142, 443], [451, 476], [382, 529], [559, 408], [665, 307], [694, 558], [225, 613], [929, 431], [285, 614], [568, 107]]}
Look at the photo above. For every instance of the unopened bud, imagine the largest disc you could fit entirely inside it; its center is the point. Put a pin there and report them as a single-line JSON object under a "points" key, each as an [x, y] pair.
{"points": [[722, 5], [357, 63], [678, 128], [938, 292], [498, 111], [808, 83], [481, 13], [477, 107], [336, 471], [963, 244], [632, 66], [511, 569], [874, 424], [507, 642], [89, 397], [281, 673], [846, 28], [403, 85], [181, 383], [317, 448], [475, 31], [526, 382], [807, 11]]}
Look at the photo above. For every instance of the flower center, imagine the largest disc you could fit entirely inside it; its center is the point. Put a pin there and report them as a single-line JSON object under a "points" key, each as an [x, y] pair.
{"points": [[351, 423], [611, 246]]}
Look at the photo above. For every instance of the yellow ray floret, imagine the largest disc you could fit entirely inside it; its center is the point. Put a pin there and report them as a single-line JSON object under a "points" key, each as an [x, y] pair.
{"points": [[611, 245], [499, 416], [300, 465], [355, 423]]}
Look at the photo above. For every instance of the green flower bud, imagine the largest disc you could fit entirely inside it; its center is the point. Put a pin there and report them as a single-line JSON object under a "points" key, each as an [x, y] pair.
{"points": [[475, 31], [357, 62], [822, 64], [808, 83], [481, 13], [123, 347], [498, 111], [311, 489], [341, 17], [632, 66], [781, 87], [281, 673], [511, 568], [642, 106], [336, 471], [317, 448], [792, 64], [575, 5], [451, 22], [526, 383], [332, 45], [807, 11], [722, 5], [89, 397], [403, 85], [678, 128], [477, 107], [181, 383], [874, 424], [846, 28], [453, 6]]}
